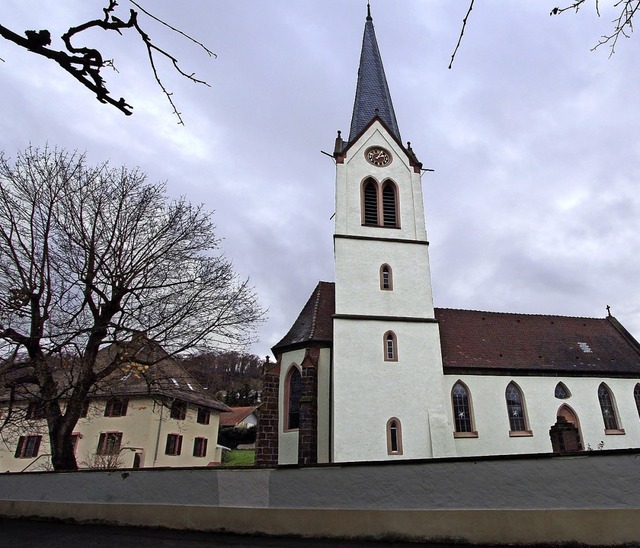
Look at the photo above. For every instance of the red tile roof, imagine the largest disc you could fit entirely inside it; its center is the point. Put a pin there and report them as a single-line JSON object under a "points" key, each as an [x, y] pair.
{"points": [[496, 342], [484, 341], [237, 415]]}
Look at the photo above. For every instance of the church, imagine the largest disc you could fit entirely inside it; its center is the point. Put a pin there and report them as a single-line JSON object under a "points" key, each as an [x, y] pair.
{"points": [[371, 371]]}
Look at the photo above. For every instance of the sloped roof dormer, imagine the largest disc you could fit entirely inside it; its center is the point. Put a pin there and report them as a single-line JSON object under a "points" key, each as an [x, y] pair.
{"points": [[372, 92]]}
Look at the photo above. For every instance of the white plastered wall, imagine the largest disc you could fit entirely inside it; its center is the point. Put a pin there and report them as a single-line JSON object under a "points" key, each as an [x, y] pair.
{"points": [[492, 423], [144, 430], [288, 440]]}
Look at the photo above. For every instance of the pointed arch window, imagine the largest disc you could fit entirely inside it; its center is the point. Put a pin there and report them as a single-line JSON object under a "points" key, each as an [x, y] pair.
{"points": [[636, 396], [370, 203], [608, 409], [390, 347], [462, 416], [292, 398], [389, 205], [394, 437], [386, 278], [516, 411], [562, 392]]}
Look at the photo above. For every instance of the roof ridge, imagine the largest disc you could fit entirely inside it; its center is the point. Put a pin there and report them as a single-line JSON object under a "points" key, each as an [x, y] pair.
{"points": [[519, 313], [314, 316]]}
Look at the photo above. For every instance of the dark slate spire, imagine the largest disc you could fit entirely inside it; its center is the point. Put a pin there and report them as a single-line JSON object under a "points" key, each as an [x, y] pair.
{"points": [[372, 91]]}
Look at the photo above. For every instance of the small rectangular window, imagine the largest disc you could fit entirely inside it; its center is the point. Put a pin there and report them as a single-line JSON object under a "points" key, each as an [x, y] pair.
{"points": [[28, 447], [116, 407], [109, 443], [204, 415], [200, 447], [178, 410], [174, 444]]}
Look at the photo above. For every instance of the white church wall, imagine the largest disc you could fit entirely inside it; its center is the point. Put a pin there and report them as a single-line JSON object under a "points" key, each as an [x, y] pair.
{"points": [[358, 279], [287, 439], [324, 404], [356, 169], [492, 423], [368, 391]]}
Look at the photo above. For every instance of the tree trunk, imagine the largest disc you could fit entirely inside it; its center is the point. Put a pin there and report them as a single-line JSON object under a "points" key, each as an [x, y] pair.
{"points": [[63, 456]]}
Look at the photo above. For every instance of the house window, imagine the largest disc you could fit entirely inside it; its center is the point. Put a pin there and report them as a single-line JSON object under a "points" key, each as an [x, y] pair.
{"points": [[178, 410], [370, 203], [609, 416], [562, 392], [200, 447], [116, 407], [390, 347], [386, 278], [294, 393], [109, 443], [36, 411], [394, 437], [461, 409], [636, 395], [515, 409], [28, 447], [174, 444], [389, 212], [75, 438], [204, 415]]}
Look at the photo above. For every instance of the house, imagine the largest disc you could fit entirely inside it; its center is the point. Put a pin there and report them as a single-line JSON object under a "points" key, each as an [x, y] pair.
{"points": [[370, 370], [240, 416], [140, 417]]}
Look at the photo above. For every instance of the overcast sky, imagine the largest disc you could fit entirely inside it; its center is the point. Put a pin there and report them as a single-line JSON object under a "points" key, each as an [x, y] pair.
{"points": [[533, 205]]}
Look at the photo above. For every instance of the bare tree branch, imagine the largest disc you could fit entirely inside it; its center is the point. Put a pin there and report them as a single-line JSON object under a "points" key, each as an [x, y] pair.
{"points": [[464, 26], [85, 63]]}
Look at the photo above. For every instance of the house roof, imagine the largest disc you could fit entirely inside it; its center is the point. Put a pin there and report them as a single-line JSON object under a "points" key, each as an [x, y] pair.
{"points": [[372, 91], [237, 415], [314, 323], [473, 341], [148, 371]]}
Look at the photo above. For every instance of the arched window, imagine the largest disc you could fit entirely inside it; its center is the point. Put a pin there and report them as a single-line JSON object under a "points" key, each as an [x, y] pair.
{"points": [[562, 392], [515, 409], [461, 408], [370, 202], [636, 395], [390, 347], [386, 277], [293, 394], [394, 437], [389, 205], [609, 416]]}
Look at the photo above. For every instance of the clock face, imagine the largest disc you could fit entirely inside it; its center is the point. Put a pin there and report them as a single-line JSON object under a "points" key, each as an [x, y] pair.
{"points": [[378, 156]]}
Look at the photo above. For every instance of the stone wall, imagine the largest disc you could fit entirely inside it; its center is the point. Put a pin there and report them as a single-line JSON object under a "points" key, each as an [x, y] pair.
{"points": [[592, 499]]}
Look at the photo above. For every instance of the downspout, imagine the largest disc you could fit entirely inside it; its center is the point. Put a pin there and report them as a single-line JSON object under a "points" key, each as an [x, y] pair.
{"points": [[155, 456]]}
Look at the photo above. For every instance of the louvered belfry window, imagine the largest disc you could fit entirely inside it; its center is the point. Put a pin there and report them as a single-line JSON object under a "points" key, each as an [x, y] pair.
{"points": [[370, 203], [389, 213]]}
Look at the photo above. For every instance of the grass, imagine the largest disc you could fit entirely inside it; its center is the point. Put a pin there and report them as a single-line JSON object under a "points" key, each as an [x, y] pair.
{"points": [[238, 457]]}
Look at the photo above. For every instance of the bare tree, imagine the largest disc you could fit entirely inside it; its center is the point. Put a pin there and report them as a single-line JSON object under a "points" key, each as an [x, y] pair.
{"points": [[85, 63], [622, 22], [90, 256]]}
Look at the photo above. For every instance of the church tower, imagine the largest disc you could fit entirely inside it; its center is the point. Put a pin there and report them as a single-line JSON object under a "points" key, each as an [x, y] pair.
{"points": [[387, 381]]}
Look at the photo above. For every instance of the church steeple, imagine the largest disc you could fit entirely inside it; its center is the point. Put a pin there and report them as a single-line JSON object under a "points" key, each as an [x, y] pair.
{"points": [[372, 92]]}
